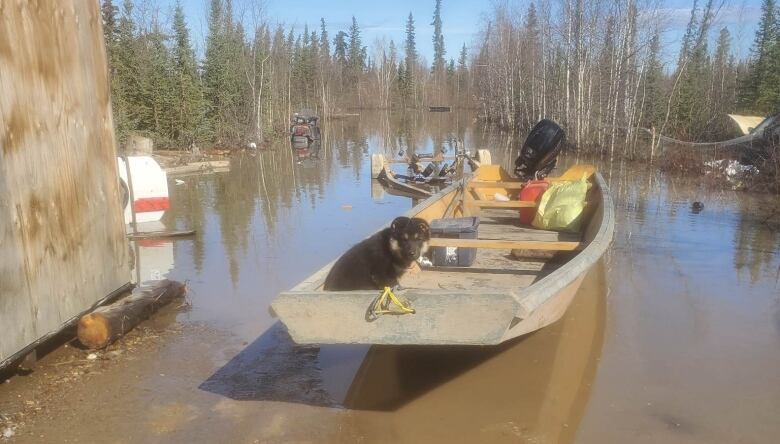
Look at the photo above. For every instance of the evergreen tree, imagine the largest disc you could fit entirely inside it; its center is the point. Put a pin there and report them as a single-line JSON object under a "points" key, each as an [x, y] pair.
{"points": [[213, 64], [462, 73], [127, 87], [724, 74], [438, 40], [324, 42], [410, 47], [156, 90], [111, 37], [340, 49], [685, 46], [691, 107], [408, 80], [108, 13], [654, 100], [462, 58], [186, 84], [759, 94], [356, 55]]}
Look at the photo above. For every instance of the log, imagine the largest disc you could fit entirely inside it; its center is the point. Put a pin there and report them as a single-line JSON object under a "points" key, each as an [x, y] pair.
{"points": [[160, 234], [108, 323], [199, 167]]}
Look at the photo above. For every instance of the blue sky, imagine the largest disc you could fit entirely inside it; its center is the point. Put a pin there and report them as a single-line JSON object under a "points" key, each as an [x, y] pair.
{"points": [[461, 18]]}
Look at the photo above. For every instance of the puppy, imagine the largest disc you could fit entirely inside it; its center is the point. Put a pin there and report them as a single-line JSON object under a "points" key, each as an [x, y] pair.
{"points": [[382, 259]]}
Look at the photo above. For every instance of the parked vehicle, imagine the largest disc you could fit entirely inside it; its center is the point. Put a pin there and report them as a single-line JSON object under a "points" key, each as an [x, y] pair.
{"points": [[304, 128]]}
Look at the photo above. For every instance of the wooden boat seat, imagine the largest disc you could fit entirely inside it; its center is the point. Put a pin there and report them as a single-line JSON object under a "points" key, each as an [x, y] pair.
{"points": [[492, 269], [495, 267], [497, 231]]}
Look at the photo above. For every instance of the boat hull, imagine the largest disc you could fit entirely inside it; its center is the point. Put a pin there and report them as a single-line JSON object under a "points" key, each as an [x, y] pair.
{"points": [[446, 317]]}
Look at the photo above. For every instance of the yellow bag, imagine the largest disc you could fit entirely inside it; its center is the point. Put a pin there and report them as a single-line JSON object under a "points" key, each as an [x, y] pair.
{"points": [[562, 206]]}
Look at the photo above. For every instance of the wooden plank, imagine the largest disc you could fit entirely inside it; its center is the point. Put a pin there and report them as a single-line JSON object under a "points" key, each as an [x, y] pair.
{"points": [[505, 244], [501, 204], [510, 232], [160, 234], [504, 185]]}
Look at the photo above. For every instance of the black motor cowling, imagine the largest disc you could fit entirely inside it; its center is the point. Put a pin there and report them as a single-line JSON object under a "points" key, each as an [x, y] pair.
{"points": [[540, 151]]}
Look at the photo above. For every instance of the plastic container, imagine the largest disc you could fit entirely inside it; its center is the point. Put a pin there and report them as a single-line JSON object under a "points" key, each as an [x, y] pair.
{"points": [[457, 228], [531, 192]]}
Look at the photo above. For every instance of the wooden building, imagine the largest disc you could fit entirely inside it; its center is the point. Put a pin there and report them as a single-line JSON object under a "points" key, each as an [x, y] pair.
{"points": [[62, 241]]}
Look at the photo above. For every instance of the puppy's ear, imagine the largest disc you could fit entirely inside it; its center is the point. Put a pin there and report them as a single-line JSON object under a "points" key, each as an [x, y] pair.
{"points": [[422, 226], [399, 223]]}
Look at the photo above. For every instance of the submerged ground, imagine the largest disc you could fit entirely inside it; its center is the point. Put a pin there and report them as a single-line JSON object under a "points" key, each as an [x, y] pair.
{"points": [[675, 337]]}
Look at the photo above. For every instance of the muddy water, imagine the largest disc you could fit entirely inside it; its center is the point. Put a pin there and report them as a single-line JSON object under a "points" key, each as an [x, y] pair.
{"points": [[675, 337]]}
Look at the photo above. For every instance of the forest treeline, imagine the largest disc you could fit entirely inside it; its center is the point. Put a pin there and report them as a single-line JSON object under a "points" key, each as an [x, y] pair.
{"points": [[596, 67]]}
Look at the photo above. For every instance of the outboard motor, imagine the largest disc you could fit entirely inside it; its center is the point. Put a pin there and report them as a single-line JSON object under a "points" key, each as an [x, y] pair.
{"points": [[540, 151]]}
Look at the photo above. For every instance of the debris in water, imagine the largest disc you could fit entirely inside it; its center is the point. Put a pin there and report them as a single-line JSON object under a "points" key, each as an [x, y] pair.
{"points": [[732, 169], [92, 356], [346, 207], [180, 182], [8, 433]]}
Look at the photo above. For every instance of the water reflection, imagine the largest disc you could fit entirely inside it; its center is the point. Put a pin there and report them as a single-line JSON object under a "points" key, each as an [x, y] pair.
{"points": [[533, 388]]}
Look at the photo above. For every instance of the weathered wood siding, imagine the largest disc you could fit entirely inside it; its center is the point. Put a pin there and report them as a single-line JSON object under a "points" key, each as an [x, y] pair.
{"points": [[62, 244]]}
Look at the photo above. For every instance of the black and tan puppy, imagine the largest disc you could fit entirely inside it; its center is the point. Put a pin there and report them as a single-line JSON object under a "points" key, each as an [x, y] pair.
{"points": [[382, 259]]}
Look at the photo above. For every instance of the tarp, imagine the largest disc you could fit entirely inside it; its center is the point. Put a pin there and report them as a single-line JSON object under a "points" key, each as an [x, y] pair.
{"points": [[746, 123]]}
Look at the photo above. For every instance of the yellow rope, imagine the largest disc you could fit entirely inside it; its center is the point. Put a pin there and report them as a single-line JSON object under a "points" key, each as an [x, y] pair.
{"points": [[381, 305]]}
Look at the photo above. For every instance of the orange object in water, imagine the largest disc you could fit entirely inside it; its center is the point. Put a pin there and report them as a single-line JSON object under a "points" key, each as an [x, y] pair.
{"points": [[531, 192]]}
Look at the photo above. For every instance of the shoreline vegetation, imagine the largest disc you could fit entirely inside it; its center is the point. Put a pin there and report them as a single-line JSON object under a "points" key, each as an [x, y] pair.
{"points": [[598, 69]]}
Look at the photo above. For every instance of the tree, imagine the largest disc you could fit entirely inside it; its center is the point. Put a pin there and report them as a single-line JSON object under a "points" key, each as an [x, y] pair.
{"points": [[340, 49], [691, 106], [108, 13], [155, 103], [438, 40], [462, 74], [126, 88], [111, 37], [407, 80], [654, 100], [186, 84], [214, 64], [723, 73], [759, 94], [324, 43], [410, 47], [356, 53]]}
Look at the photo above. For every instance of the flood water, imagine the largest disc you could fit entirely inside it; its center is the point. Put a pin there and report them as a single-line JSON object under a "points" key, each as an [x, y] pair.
{"points": [[674, 337]]}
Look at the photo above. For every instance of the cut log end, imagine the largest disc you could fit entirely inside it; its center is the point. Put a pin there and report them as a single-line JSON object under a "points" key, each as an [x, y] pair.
{"points": [[93, 330]]}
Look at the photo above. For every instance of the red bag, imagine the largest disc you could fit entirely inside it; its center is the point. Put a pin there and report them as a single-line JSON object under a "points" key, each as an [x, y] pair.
{"points": [[531, 192]]}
